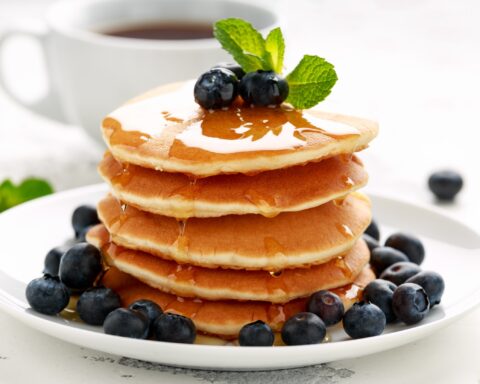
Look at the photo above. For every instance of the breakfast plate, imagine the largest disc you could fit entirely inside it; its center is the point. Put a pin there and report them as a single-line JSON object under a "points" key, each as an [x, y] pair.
{"points": [[30, 230]]}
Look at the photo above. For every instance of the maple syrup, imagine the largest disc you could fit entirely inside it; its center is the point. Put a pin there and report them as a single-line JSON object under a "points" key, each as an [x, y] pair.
{"points": [[173, 118]]}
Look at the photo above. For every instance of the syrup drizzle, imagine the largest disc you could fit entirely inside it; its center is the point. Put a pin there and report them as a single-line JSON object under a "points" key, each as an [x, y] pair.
{"points": [[182, 242], [173, 119], [345, 230]]}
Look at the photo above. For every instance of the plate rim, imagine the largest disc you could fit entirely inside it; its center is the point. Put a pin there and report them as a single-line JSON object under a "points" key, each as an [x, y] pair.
{"points": [[244, 358]]}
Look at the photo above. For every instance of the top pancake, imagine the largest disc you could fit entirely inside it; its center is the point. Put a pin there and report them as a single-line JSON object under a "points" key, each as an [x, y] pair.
{"points": [[166, 130]]}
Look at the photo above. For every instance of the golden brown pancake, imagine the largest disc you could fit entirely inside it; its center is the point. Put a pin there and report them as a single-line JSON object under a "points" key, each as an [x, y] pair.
{"points": [[224, 318], [268, 193], [166, 130], [217, 284], [289, 240]]}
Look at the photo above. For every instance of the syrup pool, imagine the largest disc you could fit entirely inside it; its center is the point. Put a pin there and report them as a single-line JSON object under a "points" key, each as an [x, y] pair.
{"points": [[172, 117]]}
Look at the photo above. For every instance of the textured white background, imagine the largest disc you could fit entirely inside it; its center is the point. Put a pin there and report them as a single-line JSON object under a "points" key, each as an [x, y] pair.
{"points": [[411, 64]]}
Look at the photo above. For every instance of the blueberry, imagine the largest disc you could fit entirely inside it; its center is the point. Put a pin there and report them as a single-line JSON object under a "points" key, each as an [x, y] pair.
{"points": [[327, 305], [234, 67], [380, 293], [410, 303], [84, 216], [432, 283], [80, 266], [364, 320], [148, 308], [409, 245], [400, 272], [174, 328], [94, 305], [373, 230], [303, 328], [216, 88], [47, 295], [371, 242], [256, 334], [383, 257], [445, 184], [126, 323], [263, 88], [52, 260]]}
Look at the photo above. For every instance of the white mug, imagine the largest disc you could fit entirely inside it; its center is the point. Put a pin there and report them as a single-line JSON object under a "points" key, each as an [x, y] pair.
{"points": [[90, 73]]}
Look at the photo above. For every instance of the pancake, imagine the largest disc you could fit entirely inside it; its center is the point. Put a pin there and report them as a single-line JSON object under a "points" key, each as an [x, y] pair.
{"points": [[216, 284], [166, 130], [224, 318], [289, 240], [268, 193]]}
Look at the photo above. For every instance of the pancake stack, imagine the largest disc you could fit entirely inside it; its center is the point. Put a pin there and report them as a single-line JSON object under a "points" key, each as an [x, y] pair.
{"points": [[234, 215]]}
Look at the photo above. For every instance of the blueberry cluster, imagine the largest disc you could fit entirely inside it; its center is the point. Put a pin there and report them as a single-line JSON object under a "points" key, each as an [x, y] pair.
{"points": [[67, 270], [76, 270], [221, 85], [402, 292]]}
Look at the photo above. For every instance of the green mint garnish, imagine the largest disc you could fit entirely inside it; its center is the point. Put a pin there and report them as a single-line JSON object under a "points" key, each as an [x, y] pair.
{"points": [[243, 42], [275, 46], [28, 189], [310, 82]]}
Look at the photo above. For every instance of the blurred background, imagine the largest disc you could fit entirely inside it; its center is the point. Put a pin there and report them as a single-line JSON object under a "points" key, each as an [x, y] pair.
{"points": [[413, 65]]}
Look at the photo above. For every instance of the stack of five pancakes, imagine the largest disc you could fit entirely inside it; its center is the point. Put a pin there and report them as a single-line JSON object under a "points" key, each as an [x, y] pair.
{"points": [[235, 215]]}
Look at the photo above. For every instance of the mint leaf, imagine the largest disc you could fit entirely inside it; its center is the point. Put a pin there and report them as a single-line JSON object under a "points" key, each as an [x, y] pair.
{"points": [[275, 46], [310, 82], [28, 189], [243, 42]]}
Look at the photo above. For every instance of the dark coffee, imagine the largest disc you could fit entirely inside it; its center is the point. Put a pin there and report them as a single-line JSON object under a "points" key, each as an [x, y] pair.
{"points": [[163, 31]]}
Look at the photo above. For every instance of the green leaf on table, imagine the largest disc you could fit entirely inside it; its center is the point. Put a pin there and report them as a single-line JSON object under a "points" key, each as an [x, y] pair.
{"points": [[28, 189], [243, 42], [275, 46], [310, 82]]}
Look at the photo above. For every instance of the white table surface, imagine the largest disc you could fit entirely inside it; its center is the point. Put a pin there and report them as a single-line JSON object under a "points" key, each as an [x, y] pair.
{"points": [[411, 64]]}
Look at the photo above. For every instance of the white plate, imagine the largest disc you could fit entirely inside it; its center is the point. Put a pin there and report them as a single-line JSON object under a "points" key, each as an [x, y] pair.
{"points": [[30, 230]]}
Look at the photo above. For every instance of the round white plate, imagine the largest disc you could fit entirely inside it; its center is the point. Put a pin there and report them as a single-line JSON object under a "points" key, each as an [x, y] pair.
{"points": [[30, 230]]}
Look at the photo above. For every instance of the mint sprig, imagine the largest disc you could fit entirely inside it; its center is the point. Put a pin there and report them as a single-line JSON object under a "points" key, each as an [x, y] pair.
{"points": [[309, 83], [31, 188], [275, 46], [243, 42]]}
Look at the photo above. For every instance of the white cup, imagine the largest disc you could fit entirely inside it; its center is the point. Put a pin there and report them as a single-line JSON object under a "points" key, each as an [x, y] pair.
{"points": [[89, 74]]}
